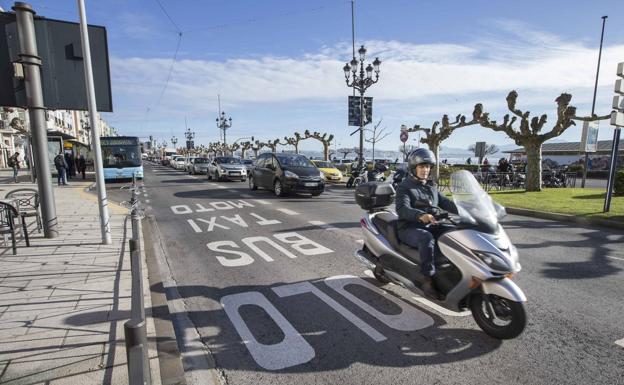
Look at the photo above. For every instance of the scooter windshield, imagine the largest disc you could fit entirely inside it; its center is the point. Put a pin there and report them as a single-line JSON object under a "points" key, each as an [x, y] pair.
{"points": [[474, 205]]}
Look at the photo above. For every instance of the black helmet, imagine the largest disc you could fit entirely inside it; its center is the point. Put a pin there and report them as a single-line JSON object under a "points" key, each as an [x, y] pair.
{"points": [[420, 156]]}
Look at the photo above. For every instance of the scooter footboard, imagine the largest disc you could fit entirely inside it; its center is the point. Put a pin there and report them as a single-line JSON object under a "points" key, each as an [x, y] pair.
{"points": [[505, 288]]}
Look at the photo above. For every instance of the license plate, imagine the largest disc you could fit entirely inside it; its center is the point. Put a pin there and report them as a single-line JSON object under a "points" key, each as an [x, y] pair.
{"points": [[235, 172], [310, 184]]}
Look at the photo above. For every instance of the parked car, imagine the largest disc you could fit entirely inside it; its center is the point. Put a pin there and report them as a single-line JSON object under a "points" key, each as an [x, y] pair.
{"points": [[199, 165], [329, 170], [227, 168], [284, 173]]}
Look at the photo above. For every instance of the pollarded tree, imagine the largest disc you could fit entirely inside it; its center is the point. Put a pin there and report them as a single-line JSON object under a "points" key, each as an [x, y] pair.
{"points": [[272, 144], [346, 151], [246, 146], [294, 141], [435, 136], [377, 137], [529, 134], [325, 139], [257, 147]]}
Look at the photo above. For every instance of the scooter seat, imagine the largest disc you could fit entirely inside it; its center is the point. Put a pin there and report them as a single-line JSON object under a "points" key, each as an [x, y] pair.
{"points": [[386, 223]]}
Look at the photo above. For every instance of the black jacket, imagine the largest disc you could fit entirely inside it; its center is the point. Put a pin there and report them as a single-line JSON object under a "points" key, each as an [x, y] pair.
{"points": [[413, 199]]}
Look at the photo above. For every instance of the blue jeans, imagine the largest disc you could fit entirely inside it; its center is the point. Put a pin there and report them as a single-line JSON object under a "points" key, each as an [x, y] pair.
{"points": [[424, 241], [62, 175], [15, 170]]}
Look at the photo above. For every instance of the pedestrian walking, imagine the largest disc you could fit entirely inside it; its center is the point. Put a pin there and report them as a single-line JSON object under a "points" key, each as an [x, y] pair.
{"points": [[14, 163], [61, 168], [71, 165], [82, 165]]}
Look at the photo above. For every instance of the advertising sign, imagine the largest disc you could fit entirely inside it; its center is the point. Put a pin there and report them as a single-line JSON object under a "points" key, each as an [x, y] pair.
{"points": [[354, 110], [589, 138]]}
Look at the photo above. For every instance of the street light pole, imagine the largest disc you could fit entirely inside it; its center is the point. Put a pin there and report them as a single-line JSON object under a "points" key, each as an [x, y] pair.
{"points": [[224, 123], [360, 79]]}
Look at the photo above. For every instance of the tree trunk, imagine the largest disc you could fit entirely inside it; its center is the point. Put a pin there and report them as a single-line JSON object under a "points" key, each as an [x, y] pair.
{"points": [[255, 150], [436, 172], [243, 151], [326, 151], [373, 152], [297, 147], [534, 167]]}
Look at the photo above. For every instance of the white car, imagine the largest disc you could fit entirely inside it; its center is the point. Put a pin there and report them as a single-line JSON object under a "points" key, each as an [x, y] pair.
{"points": [[179, 163]]}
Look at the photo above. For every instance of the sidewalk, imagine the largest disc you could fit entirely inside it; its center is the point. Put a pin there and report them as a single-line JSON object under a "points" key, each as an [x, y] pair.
{"points": [[64, 301]]}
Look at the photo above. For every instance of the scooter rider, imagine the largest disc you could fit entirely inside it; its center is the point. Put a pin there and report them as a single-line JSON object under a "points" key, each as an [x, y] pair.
{"points": [[415, 201]]}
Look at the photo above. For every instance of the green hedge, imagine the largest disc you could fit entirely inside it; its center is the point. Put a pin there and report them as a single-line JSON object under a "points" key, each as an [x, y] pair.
{"points": [[618, 187]]}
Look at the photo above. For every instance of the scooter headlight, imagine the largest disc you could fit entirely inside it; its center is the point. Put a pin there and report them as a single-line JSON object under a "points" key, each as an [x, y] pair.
{"points": [[494, 261]]}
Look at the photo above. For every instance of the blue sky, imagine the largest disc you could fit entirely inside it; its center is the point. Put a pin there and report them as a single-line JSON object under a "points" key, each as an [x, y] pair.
{"points": [[278, 64]]}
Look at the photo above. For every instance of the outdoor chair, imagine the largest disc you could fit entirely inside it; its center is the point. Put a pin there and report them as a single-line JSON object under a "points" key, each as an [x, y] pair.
{"points": [[27, 202], [7, 215]]}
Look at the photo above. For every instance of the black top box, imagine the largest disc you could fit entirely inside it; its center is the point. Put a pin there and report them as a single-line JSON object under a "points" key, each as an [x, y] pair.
{"points": [[374, 195]]}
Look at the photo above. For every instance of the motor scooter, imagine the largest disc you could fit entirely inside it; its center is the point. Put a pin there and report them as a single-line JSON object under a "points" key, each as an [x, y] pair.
{"points": [[476, 259]]}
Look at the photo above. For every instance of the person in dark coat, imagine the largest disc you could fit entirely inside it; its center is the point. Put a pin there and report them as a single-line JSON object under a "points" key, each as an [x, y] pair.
{"points": [[14, 163], [81, 164], [416, 204], [61, 168]]}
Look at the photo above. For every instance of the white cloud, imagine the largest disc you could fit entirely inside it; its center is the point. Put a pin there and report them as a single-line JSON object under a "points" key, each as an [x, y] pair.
{"points": [[418, 81]]}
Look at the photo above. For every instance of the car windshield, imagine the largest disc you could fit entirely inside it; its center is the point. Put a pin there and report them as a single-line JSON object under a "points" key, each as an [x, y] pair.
{"points": [[474, 205], [324, 165], [201, 160], [294, 161], [181, 159], [228, 160]]}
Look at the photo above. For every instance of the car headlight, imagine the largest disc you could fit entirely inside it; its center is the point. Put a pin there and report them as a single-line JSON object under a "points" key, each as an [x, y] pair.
{"points": [[322, 174], [292, 175], [492, 260], [221, 170], [243, 171]]}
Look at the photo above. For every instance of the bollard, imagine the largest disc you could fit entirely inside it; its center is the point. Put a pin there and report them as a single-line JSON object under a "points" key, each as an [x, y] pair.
{"points": [[136, 352]]}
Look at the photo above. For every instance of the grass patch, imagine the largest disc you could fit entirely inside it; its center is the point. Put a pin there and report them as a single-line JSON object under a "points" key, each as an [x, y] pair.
{"points": [[575, 201]]}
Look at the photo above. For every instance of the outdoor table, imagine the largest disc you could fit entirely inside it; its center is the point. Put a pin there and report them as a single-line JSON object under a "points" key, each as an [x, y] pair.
{"points": [[11, 201]]}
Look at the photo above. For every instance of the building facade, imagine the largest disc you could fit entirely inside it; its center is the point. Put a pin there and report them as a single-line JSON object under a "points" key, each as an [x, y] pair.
{"points": [[71, 128]]}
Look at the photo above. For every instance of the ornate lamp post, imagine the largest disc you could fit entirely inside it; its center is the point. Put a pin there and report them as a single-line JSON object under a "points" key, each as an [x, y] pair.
{"points": [[174, 141], [189, 135], [224, 123], [360, 81]]}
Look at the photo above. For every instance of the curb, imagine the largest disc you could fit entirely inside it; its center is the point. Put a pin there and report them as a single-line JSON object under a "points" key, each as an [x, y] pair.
{"points": [[566, 218]]}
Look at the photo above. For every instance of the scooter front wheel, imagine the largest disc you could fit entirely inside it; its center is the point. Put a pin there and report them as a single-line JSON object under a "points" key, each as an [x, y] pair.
{"points": [[378, 273], [498, 317]]}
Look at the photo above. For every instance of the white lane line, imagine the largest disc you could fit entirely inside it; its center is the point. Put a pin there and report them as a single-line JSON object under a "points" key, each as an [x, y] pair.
{"points": [[262, 202], [619, 259], [620, 342], [219, 186], [147, 201], [288, 212], [440, 309], [246, 196]]}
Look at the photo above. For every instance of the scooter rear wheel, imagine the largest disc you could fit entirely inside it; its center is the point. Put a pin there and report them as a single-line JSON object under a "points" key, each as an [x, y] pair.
{"points": [[498, 317]]}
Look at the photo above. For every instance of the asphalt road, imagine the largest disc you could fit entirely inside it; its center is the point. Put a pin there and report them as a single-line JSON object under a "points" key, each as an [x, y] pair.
{"points": [[279, 274]]}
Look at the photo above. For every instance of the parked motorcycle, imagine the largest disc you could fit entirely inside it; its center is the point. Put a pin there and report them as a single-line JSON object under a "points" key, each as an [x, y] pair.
{"points": [[476, 262]]}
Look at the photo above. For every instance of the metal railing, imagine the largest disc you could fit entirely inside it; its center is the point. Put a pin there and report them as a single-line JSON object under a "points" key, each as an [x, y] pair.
{"points": [[496, 181], [135, 330]]}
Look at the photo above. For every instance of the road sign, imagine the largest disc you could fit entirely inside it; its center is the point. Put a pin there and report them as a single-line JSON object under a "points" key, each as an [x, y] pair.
{"points": [[480, 150], [62, 70], [404, 136], [354, 110]]}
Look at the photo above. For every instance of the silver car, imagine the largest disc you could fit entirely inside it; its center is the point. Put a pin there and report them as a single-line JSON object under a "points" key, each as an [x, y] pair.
{"points": [[227, 168], [199, 165]]}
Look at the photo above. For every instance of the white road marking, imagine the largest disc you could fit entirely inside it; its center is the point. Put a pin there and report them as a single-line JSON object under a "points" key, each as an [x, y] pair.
{"points": [[359, 241], [288, 212], [440, 309], [619, 259], [322, 225], [292, 350], [147, 201], [620, 342], [369, 273], [246, 196], [145, 195], [262, 202], [220, 186]]}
